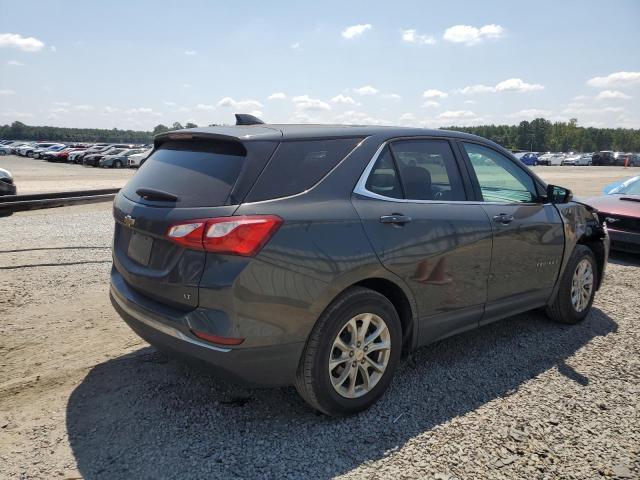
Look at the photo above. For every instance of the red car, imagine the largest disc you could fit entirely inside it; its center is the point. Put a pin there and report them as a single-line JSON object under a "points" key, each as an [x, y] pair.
{"points": [[620, 210], [62, 155]]}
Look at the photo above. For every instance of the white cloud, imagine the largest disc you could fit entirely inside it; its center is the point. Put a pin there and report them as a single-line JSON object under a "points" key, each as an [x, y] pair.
{"points": [[469, 102], [577, 110], [256, 113], [53, 48], [83, 108], [472, 35], [241, 104], [412, 36], [109, 109], [7, 92], [530, 113], [366, 90], [277, 96], [59, 110], [430, 104], [296, 46], [190, 53], [344, 100], [517, 85], [473, 89], [456, 114], [355, 30], [26, 44], [304, 102], [61, 104], [202, 106], [391, 96], [433, 93], [15, 63], [510, 85], [407, 117], [142, 111], [618, 79], [169, 104], [612, 95]]}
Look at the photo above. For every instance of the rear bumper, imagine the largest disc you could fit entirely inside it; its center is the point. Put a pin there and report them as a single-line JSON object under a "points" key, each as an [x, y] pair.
{"points": [[261, 366], [624, 241]]}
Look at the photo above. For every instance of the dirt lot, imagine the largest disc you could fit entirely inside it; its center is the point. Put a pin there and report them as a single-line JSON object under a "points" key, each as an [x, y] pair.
{"points": [[82, 397]]}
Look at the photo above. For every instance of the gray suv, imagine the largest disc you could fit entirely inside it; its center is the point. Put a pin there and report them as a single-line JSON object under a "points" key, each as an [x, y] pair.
{"points": [[320, 256]]}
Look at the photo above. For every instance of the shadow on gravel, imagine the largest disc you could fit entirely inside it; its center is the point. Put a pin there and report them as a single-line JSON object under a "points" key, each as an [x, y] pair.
{"points": [[623, 258], [145, 416]]}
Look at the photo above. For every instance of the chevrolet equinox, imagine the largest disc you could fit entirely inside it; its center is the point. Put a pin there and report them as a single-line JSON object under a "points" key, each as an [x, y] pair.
{"points": [[319, 255]]}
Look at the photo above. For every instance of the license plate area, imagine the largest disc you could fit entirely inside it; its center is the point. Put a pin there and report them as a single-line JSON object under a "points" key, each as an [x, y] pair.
{"points": [[140, 248]]}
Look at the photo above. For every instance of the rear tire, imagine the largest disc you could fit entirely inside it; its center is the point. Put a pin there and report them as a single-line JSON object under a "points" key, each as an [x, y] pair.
{"points": [[117, 164], [577, 288], [351, 354]]}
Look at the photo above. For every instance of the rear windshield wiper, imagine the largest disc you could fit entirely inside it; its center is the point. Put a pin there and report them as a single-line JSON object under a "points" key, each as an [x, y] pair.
{"points": [[159, 195]]}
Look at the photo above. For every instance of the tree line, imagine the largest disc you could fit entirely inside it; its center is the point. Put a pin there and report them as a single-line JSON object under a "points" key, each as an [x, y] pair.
{"points": [[539, 135]]}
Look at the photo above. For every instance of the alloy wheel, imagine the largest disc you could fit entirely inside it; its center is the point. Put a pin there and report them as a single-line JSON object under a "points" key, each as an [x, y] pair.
{"points": [[359, 355], [582, 285]]}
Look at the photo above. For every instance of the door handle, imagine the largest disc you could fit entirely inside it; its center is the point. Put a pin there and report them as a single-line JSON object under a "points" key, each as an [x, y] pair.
{"points": [[395, 218], [503, 218]]}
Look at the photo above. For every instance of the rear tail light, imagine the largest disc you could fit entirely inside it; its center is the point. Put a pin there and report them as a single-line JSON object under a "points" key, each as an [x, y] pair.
{"points": [[242, 235], [217, 339]]}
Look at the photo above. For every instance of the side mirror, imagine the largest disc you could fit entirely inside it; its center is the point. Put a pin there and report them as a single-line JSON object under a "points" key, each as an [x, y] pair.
{"points": [[556, 194]]}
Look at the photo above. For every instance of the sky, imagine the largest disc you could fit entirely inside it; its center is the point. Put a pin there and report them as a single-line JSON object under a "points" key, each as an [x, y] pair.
{"points": [[135, 64]]}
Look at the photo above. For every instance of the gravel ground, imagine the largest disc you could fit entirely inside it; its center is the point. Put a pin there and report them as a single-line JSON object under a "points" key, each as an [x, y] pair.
{"points": [[82, 397]]}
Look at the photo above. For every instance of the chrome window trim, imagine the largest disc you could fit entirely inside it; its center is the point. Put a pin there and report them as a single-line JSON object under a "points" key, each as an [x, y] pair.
{"points": [[361, 188]]}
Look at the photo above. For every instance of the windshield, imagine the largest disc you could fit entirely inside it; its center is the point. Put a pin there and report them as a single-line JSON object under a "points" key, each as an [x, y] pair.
{"points": [[629, 187]]}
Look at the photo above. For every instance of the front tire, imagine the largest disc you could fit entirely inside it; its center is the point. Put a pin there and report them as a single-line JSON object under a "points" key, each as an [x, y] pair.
{"points": [[117, 164], [351, 354], [577, 288]]}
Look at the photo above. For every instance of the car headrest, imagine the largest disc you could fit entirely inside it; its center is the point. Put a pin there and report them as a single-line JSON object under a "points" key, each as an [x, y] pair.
{"points": [[381, 181], [417, 183]]}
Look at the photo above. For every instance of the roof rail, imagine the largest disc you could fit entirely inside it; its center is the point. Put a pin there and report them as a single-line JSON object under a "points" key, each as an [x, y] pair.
{"points": [[246, 119]]}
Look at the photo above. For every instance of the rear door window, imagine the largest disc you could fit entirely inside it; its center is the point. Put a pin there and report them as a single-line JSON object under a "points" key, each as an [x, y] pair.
{"points": [[200, 174], [298, 165], [428, 170]]}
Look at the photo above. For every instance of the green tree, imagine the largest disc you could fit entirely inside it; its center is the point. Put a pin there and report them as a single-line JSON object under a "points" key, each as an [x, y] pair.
{"points": [[160, 129]]}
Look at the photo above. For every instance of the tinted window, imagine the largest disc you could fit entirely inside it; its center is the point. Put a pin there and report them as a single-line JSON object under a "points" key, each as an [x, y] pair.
{"points": [[383, 179], [500, 179], [297, 166], [199, 173], [428, 170]]}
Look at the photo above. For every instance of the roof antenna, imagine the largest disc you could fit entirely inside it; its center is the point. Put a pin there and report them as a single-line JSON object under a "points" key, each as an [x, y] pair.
{"points": [[246, 119]]}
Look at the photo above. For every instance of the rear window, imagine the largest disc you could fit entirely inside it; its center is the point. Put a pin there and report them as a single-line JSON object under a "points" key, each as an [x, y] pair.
{"points": [[200, 174], [297, 166]]}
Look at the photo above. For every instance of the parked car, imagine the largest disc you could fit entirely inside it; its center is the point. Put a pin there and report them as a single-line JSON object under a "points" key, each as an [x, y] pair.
{"points": [[39, 152], [528, 158], [118, 160], [603, 158], [62, 155], [620, 209], [26, 150], [7, 186], [551, 159], [93, 160], [249, 248], [137, 159], [97, 148], [5, 150], [571, 159]]}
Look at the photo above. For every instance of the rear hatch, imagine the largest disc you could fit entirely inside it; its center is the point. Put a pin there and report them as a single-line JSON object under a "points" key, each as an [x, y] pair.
{"points": [[185, 178]]}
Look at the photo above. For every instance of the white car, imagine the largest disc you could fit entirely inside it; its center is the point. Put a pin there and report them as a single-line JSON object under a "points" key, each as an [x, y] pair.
{"points": [[579, 159], [4, 150], [136, 159], [551, 159]]}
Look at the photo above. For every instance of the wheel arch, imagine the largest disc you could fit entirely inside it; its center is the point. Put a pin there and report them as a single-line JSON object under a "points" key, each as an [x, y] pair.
{"points": [[400, 298]]}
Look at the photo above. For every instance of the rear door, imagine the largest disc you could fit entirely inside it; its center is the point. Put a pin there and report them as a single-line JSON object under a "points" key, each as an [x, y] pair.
{"points": [[412, 202], [181, 180], [528, 235]]}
